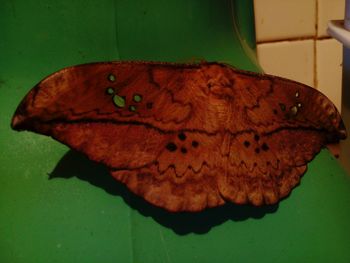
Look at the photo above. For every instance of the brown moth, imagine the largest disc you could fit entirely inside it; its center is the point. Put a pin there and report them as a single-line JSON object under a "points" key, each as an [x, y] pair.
{"points": [[186, 136]]}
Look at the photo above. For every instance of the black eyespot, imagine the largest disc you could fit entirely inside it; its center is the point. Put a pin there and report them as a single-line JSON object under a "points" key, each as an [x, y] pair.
{"points": [[171, 147], [149, 105], [282, 106], [257, 150], [246, 144], [275, 111], [256, 137], [183, 150], [182, 136], [195, 144], [265, 147]]}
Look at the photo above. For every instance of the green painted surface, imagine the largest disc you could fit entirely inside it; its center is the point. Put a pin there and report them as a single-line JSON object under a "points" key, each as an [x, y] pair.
{"points": [[81, 214]]}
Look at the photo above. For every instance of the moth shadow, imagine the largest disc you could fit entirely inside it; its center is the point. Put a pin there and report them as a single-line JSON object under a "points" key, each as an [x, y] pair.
{"points": [[75, 164]]}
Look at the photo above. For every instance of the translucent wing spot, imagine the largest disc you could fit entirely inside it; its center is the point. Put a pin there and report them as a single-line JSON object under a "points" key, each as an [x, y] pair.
{"points": [[299, 105], [111, 77], [294, 110], [137, 98], [110, 91], [297, 94], [132, 108], [119, 101]]}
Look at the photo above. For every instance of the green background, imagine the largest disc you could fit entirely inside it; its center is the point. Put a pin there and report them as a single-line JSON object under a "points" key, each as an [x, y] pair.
{"points": [[56, 206]]}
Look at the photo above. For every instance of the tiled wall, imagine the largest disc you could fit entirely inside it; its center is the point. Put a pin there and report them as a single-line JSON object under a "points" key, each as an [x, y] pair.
{"points": [[292, 42]]}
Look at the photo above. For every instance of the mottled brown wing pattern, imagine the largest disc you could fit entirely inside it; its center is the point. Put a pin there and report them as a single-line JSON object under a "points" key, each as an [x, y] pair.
{"points": [[186, 137]]}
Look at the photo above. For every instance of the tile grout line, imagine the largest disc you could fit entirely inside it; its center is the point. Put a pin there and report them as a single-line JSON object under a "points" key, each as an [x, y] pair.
{"points": [[316, 37], [315, 45], [315, 65], [293, 39], [299, 38]]}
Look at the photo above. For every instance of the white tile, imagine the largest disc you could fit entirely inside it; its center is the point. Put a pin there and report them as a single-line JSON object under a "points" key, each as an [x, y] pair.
{"points": [[284, 19], [290, 59], [329, 69], [328, 10]]}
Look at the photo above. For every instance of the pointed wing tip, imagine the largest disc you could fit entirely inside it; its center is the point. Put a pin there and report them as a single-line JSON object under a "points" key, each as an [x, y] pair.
{"points": [[17, 122], [20, 120], [342, 133]]}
